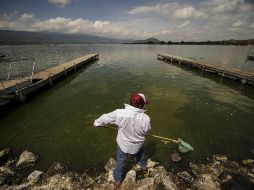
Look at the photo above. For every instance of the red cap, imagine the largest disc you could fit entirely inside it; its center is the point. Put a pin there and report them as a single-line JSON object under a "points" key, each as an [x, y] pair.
{"points": [[138, 100]]}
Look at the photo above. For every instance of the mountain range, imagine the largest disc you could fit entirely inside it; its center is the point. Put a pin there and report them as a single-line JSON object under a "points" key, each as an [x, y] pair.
{"points": [[24, 37]]}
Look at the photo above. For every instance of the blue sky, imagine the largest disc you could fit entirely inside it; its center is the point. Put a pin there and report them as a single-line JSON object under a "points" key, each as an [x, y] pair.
{"points": [[173, 20]]}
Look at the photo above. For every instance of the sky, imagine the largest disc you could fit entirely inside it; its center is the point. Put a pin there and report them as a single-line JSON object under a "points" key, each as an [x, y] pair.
{"points": [[168, 20]]}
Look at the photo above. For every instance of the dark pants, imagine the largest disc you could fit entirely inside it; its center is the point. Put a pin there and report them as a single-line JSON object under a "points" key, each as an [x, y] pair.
{"points": [[121, 159]]}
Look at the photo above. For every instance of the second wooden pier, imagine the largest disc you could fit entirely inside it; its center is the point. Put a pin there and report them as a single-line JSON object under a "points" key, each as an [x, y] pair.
{"points": [[20, 88], [231, 73]]}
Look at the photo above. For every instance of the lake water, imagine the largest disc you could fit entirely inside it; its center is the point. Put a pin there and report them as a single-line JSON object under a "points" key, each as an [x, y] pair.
{"points": [[209, 113]]}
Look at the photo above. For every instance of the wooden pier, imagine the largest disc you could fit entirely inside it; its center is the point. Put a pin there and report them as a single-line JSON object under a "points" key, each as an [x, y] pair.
{"points": [[225, 72], [20, 88]]}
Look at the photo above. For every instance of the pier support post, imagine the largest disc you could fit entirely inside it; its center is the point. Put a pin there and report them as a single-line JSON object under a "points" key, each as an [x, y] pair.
{"points": [[65, 72], [222, 74], [75, 67], [21, 96], [50, 81], [203, 68], [2, 85], [243, 81]]}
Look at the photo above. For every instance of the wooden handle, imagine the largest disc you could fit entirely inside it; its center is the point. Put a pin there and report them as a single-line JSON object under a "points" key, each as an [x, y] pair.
{"points": [[164, 138]]}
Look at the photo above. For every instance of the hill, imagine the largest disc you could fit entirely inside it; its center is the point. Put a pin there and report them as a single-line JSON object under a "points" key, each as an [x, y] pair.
{"points": [[148, 41], [23, 37]]}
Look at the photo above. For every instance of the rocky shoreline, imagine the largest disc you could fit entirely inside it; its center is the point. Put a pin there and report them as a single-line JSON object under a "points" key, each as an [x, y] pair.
{"points": [[220, 173]]}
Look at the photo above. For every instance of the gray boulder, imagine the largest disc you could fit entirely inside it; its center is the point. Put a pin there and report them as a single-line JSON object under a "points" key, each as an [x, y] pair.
{"points": [[186, 176], [169, 183], [220, 158], [146, 184], [56, 168], [4, 155], [34, 177], [6, 175], [111, 164], [129, 181], [27, 159], [207, 186]]}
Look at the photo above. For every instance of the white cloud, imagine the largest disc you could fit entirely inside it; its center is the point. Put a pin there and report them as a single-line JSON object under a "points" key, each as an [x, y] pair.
{"points": [[169, 11], [188, 12], [141, 9], [28, 22], [185, 23], [237, 24], [8, 16], [161, 33], [26, 17], [100, 24], [233, 29], [60, 3], [226, 6]]}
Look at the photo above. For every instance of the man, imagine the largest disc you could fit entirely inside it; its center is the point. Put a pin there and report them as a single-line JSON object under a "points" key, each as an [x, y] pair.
{"points": [[133, 124]]}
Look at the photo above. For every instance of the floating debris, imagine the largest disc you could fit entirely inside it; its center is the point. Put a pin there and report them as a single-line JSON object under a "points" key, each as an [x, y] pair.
{"points": [[176, 157]]}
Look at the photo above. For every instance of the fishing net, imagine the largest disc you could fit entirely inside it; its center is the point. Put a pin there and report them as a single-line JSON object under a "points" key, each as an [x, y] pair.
{"points": [[184, 146]]}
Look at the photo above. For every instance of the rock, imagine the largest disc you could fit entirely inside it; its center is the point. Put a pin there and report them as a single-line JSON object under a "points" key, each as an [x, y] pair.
{"points": [[197, 169], [220, 158], [186, 176], [248, 162], [4, 155], [224, 177], [176, 157], [169, 183], [26, 159], [6, 175], [203, 180], [158, 174], [17, 187], [68, 180], [129, 181], [111, 164], [111, 176], [34, 177], [56, 168], [233, 167], [179, 182], [104, 186], [146, 184], [212, 168], [87, 180], [208, 186], [151, 164]]}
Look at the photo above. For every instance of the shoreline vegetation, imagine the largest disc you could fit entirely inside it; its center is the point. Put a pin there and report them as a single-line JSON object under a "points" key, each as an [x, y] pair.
{"points": [[219, 173], [219, 42], [9, 37]]}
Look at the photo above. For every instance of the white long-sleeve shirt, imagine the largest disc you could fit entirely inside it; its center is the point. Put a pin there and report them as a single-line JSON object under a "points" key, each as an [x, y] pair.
{"points": [[132, 124]]}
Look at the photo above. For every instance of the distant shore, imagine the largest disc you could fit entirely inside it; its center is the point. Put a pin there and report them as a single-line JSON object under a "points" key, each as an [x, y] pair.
{"points": [[9, 37]]}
